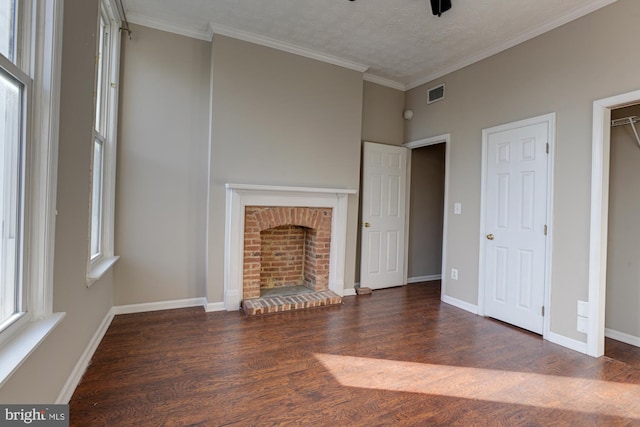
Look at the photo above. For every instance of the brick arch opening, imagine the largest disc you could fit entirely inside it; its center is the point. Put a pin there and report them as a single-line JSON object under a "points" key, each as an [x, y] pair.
{"points": [[286, 246]]}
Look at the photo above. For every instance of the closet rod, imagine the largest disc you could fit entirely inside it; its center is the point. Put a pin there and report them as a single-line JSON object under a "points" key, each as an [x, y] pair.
{"points": [[625, 121]]}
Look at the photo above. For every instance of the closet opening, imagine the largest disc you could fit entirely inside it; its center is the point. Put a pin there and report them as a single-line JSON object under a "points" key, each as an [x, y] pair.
{"points": [[622, 309]]}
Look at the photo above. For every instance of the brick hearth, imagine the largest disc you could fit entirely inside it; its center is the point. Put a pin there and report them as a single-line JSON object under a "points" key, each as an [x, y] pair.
{"points": [[277, 304]]}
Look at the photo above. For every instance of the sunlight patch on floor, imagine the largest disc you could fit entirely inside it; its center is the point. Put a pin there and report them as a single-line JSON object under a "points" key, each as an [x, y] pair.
{"points": [[521, 388]]}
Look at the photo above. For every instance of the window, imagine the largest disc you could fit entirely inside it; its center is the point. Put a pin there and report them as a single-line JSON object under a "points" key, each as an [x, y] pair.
{"points": [[13, 105], [8, 30], [101, 254], [14, 89], [30, 37], [99, 137]]}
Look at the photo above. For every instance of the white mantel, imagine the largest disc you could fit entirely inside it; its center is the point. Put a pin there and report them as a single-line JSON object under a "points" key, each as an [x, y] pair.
{"points": [[241, 195]]}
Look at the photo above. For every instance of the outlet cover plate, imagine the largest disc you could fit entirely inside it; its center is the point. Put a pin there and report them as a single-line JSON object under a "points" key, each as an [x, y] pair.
{"points": [[583, 309], [583, 324]]}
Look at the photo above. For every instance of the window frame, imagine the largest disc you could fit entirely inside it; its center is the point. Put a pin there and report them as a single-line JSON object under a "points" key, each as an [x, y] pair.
{"points": [[38, 55], [101, 261]]}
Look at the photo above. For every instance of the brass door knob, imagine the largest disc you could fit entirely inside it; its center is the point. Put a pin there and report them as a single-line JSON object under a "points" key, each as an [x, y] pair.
{"points": [[367, 225], [490, 236]]}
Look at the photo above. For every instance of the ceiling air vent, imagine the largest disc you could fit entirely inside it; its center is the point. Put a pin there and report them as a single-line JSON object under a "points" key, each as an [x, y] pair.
{"points": [[435, 94]]}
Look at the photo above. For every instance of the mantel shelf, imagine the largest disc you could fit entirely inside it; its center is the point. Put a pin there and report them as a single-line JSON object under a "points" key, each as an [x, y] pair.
{"points": [[281, 188]]}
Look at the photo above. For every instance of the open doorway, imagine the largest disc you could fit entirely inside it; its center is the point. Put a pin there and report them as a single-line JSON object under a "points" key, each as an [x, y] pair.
{"points": [[622, 309], [426, 212], [600, 177]]}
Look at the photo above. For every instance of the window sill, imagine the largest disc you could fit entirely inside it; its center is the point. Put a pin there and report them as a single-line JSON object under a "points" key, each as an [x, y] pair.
{"points": [[99, 268], [17, 349]]}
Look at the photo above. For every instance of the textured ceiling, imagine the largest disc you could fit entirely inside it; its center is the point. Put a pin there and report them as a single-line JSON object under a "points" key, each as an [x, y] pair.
{"points": [[396, 41]]}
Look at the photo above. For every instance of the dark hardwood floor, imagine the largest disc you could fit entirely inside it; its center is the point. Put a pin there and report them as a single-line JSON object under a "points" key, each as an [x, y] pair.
{"points": [[396, 357]]}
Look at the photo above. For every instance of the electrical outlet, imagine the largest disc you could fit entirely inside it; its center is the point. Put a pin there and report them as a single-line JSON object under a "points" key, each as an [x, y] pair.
{"points": [[457, 208], [454, 273]]}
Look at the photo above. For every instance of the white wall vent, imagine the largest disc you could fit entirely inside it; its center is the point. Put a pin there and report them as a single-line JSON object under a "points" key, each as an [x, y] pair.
{"points": [[435, 94]]}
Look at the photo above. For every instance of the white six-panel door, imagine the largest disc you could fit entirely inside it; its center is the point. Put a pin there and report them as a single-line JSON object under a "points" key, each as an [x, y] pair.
{"points": [[384, 177], [515, 212]]}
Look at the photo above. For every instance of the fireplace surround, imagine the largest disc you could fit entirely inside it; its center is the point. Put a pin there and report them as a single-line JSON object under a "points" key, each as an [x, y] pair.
{"points": [[239, 197]]}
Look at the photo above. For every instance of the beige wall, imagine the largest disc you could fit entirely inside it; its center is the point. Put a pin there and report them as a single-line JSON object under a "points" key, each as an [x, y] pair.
{"points": [[382, 109], [42, 376], [562, 71], [623, 260], [280, 119], [426, 210], [162, 167]]}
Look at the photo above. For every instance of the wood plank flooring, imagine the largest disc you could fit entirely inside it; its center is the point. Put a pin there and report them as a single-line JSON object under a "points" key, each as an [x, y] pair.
{"points": [[394, 358]]}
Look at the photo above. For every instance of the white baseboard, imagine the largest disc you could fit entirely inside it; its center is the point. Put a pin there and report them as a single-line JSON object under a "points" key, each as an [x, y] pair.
{"points": [[416, 279], [214, 306], [567, 342], [349, 292], [81, 365], [622, 337], [160, 305], [419, 279], [471, 308], [570, 343]]}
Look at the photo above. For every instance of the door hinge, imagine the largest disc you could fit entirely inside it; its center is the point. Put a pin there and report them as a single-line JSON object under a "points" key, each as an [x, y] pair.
{"points": [[547, 148], [542, 311], [545, 229]]}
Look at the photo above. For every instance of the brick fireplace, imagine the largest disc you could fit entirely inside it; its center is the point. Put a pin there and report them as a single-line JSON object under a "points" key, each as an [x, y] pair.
{"points": [[285, 246], [315, 216]]}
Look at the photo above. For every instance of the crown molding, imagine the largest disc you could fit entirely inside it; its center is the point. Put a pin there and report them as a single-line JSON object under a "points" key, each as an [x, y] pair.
{"points": [[579, 13], [159, 24], [286, 47], [208, 33], [384, 82]]}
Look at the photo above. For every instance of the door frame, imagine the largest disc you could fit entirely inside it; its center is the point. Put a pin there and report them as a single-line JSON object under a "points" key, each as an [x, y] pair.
{"points": [[550, 120], [600, 152], [425, 142]]}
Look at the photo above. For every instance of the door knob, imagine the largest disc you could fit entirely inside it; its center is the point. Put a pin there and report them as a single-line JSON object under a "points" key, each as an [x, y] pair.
{"points": [[490, 236], [367, 225]]}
